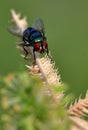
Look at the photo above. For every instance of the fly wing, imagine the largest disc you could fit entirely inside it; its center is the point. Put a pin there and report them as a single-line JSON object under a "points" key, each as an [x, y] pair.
{"points": [[39, 25], [15, 31]]}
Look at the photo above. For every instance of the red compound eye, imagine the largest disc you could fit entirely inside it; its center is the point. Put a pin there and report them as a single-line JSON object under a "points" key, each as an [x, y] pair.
{"points": [[37, 46], [45, 44]]}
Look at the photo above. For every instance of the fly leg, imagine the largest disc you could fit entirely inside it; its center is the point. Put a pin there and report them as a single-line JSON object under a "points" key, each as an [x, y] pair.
{"points": [[48, 54], [34, 57], [26, 52]]}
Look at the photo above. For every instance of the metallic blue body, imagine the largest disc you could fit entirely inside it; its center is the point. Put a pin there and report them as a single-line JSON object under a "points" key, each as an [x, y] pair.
{"points": [[35, 36], [31, 35]]}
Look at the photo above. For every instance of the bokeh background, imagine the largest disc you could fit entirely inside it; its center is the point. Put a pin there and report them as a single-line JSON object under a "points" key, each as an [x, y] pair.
{"points": [[66, 24]]}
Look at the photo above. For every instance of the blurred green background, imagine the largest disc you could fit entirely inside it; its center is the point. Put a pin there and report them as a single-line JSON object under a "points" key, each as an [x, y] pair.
{"points": [[66, 24]]}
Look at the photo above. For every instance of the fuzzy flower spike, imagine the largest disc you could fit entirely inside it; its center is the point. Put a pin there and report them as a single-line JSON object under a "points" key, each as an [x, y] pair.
{"points": [[44, 67]]}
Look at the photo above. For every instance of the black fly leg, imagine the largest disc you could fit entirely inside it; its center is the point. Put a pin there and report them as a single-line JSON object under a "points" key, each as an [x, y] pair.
{"points": [[26, 52], [47, 51], [34, 56]]}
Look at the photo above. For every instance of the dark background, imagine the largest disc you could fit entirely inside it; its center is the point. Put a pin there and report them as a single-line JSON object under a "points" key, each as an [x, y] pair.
{"points": [[66, 24]]}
